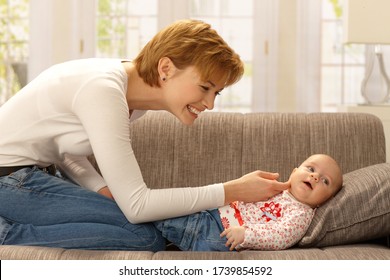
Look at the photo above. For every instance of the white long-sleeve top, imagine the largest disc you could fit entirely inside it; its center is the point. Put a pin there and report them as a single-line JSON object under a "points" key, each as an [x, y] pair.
{"points": [[79, 108]]}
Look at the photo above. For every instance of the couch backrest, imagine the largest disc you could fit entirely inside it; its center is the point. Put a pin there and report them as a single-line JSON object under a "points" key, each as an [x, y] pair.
{"points": [[224, 146]]}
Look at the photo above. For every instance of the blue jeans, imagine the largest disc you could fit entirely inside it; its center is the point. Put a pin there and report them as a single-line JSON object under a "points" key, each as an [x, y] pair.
{"points": [[39, 209], [196, 232]]}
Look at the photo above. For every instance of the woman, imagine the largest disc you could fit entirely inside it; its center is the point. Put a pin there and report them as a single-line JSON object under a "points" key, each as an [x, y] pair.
{"points": [[83, 107]]}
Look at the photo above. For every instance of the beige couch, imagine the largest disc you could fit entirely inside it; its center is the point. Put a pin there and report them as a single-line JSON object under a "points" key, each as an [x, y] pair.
{"points": [[222, 146]]}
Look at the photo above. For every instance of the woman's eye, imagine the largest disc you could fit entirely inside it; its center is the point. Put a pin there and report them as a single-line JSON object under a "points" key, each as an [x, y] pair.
{"points": [[205, 89]]}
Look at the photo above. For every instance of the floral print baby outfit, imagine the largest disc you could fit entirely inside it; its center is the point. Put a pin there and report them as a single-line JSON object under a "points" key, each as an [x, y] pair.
{"points": [[275, 224]]}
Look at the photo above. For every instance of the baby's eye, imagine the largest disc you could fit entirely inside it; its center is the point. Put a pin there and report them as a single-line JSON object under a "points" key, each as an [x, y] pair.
{"points": [[325, 181], [311, 169]]}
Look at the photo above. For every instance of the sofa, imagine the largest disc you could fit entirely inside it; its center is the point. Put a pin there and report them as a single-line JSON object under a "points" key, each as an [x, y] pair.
{"points": [[355, 224]]}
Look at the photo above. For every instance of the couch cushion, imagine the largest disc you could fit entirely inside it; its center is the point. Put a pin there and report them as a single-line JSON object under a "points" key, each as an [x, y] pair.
{"points": [[360, 211], [171, 154], [278, 142]]}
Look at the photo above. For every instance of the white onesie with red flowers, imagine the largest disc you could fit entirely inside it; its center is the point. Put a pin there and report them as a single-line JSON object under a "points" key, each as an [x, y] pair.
{"points": [[275, 224]]}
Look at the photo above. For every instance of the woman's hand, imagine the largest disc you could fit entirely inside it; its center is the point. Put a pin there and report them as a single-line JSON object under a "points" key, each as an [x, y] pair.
{"points": [[106, 192], [253, 187]]}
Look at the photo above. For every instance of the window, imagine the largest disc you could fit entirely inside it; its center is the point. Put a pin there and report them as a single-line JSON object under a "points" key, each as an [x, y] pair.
{"points": [[13, 46], [124, 26], [342, 66]]}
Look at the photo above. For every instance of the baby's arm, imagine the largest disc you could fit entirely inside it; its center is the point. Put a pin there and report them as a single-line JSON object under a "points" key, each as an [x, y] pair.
{"points": [[235, 236]]}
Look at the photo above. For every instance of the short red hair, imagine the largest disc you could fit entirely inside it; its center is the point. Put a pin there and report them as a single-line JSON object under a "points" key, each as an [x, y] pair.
{"points": [[190, 43]]}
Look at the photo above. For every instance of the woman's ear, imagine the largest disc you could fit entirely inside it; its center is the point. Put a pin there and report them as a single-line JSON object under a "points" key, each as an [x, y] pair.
{"points": [[166, 68]]}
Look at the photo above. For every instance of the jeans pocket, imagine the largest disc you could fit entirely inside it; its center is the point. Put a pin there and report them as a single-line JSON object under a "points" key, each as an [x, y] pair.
{"points": [[17, 178]]}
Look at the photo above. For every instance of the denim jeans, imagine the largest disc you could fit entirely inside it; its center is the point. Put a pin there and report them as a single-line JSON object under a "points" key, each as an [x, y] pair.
{"points": [[196, 232], [44, 210]]}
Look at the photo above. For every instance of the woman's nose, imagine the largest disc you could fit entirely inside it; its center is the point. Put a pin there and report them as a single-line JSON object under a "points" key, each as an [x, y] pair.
{"points": [[208, 101]]}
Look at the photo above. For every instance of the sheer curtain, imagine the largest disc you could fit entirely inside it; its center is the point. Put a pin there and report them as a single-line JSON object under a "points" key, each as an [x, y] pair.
{"points": [[308, 67]]}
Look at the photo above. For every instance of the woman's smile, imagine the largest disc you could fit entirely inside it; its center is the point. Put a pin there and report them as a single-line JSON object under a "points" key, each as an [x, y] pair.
{"points": [[193, 110]]}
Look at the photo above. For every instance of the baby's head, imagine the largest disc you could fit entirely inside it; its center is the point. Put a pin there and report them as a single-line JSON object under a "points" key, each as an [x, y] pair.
{"points": [[316, 180]]}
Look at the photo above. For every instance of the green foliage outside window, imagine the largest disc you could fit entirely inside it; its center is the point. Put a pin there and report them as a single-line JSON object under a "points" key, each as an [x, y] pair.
{"points": [[13, 46], [111, 28], [337, 8]]}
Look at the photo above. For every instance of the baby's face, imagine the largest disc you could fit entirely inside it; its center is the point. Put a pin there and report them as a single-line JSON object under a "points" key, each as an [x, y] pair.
{"points": [[316, 180]]}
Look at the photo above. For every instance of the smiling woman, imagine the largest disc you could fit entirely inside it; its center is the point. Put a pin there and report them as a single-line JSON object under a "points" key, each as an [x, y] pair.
{"points": [[84, 107]]}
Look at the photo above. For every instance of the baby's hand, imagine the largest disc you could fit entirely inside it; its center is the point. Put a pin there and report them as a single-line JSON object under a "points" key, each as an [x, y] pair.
{"points": [[234, 235]]}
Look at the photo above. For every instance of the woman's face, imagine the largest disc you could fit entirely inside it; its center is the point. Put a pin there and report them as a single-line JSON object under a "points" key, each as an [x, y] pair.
{"points": [[186, 95]]}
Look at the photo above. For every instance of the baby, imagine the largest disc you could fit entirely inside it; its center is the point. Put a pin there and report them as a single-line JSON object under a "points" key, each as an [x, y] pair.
{"points": [[275, 224]]}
